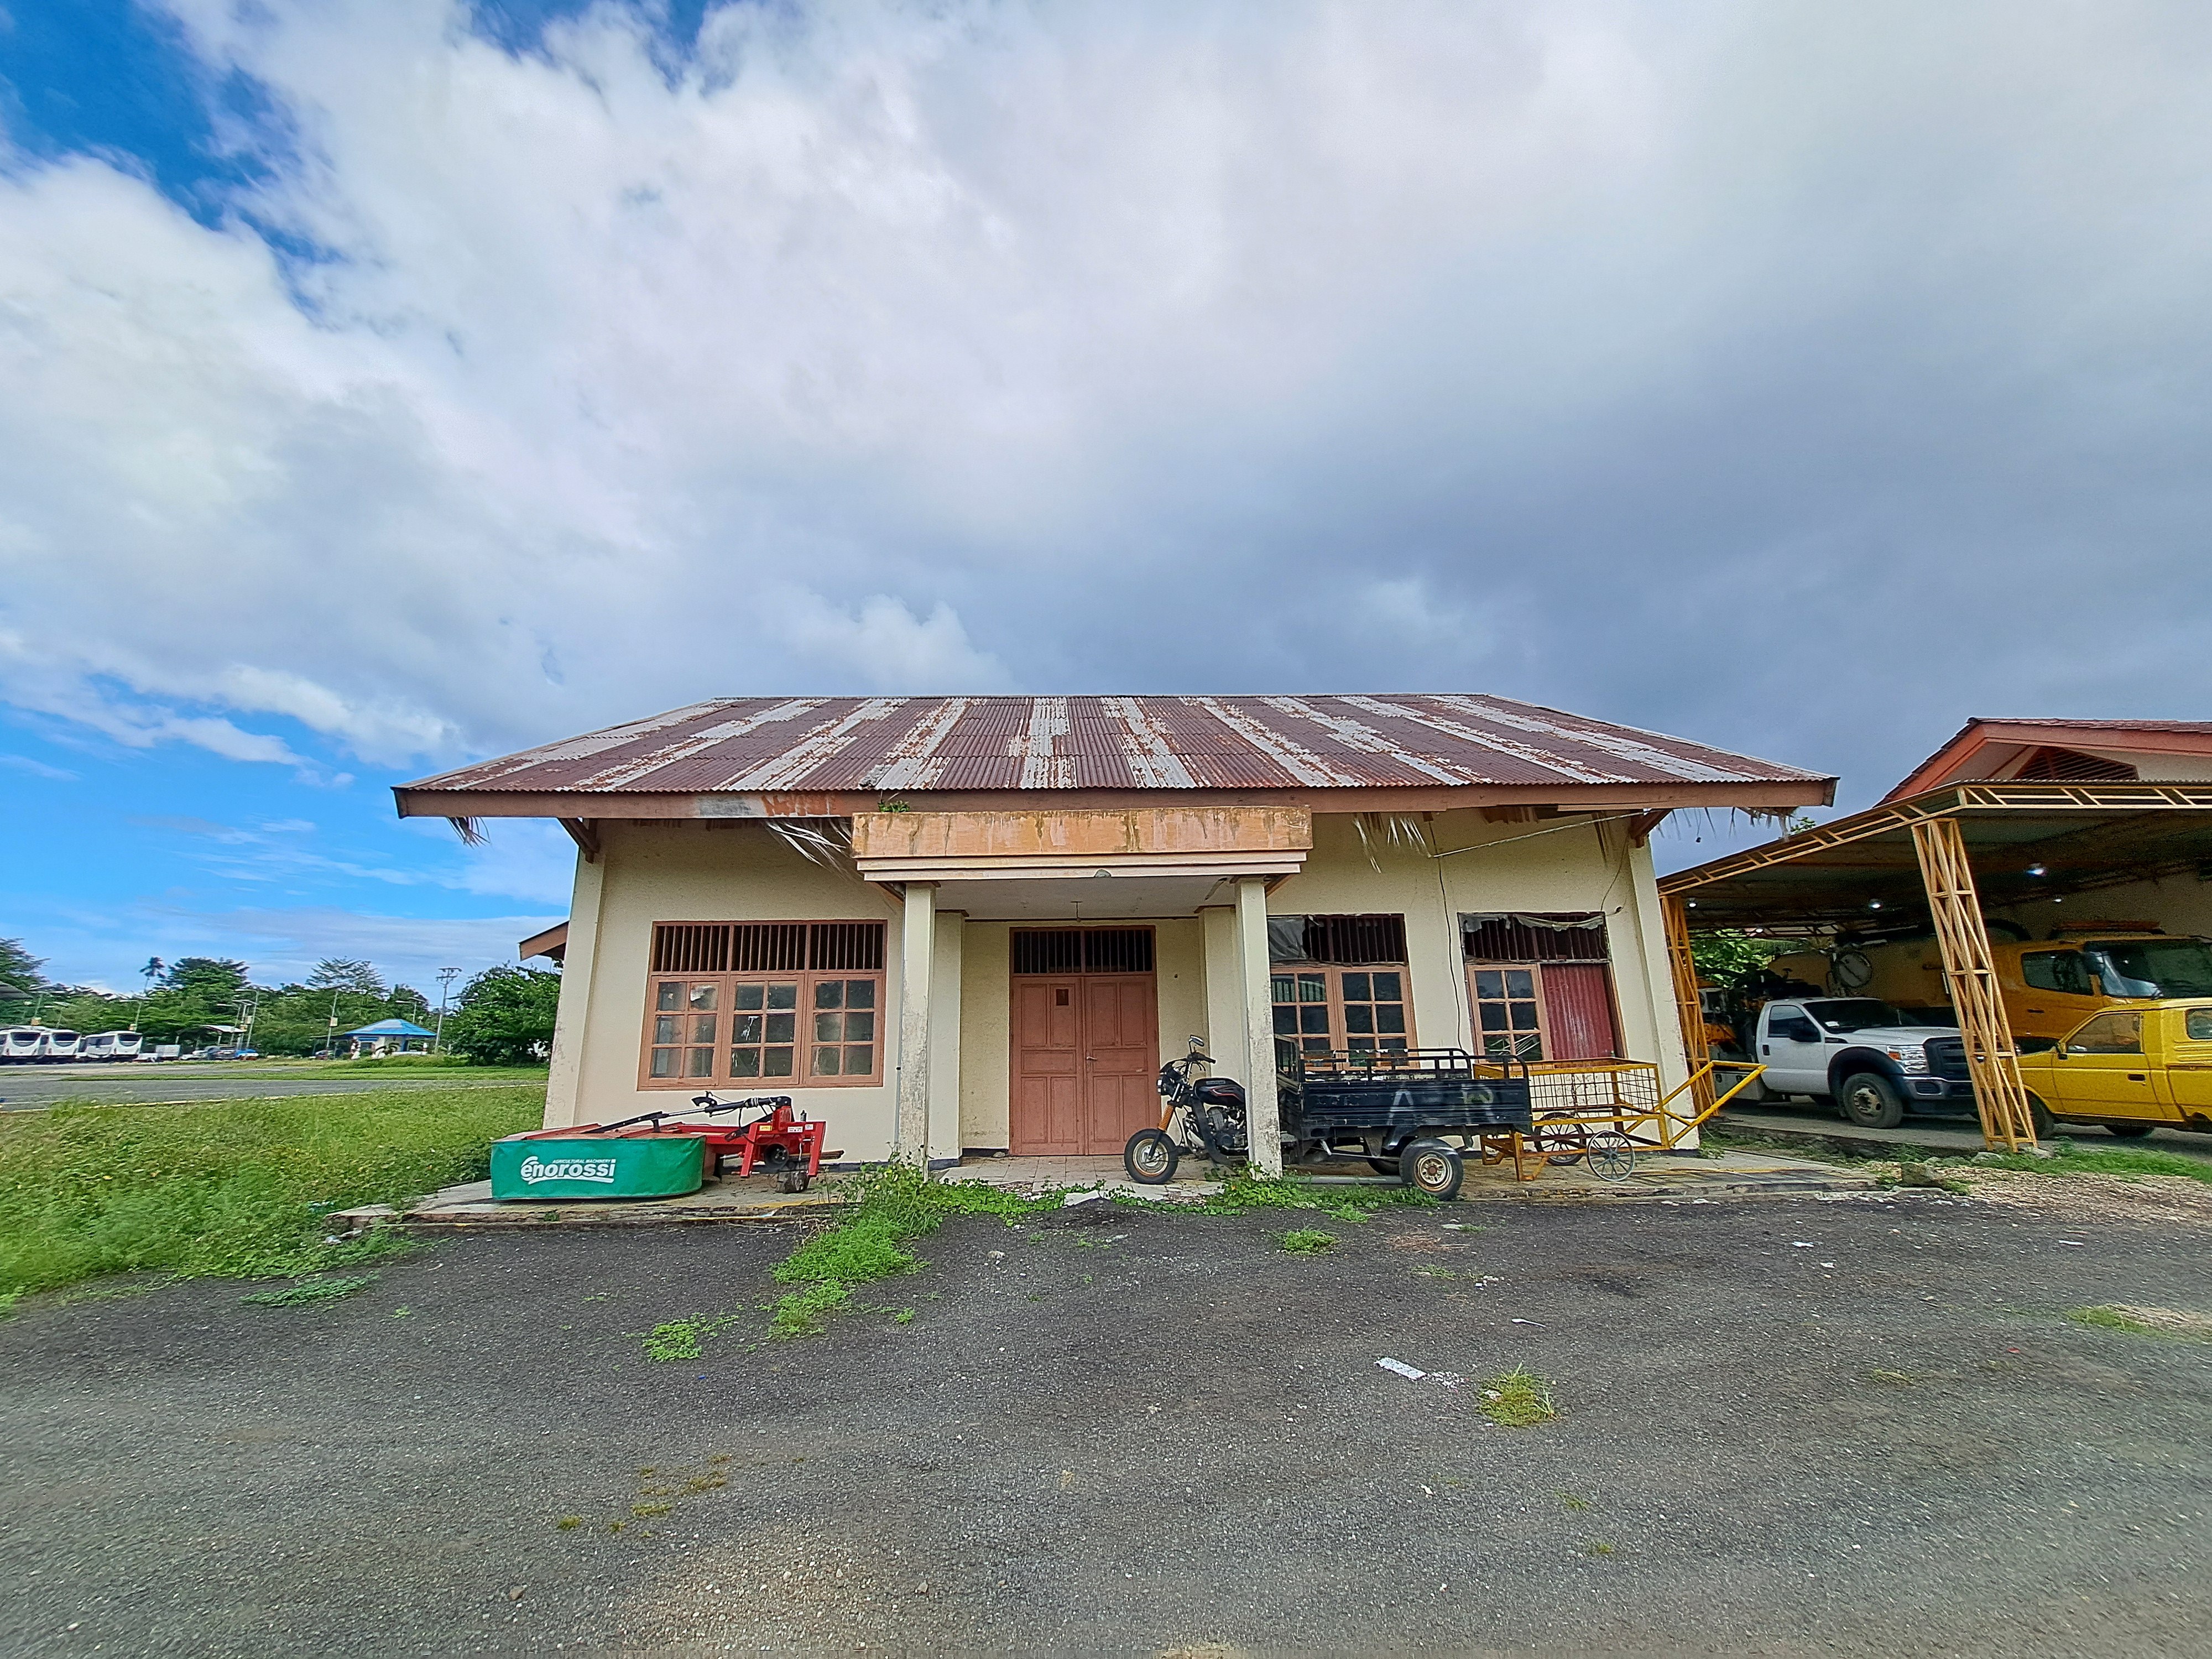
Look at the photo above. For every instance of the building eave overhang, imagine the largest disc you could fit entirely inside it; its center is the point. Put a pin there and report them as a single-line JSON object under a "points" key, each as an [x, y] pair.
{"points": [[414, 801]]}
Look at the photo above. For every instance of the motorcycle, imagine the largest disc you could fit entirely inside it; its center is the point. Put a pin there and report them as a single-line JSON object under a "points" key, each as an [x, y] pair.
{"points": [[1200, 1117]]}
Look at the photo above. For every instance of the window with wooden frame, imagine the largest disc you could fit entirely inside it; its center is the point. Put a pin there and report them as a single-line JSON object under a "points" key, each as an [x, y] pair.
{"points": [[1541, 984], [793, 1002], [1339, 986]]}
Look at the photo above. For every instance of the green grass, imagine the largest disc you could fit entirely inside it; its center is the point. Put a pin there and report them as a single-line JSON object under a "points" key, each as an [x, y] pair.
{"points": [[2169, 1323], [236, 1188], [1305, 1241], [1243, 1192], [1518, 1399], [310, 1290], [2071, 1158]]}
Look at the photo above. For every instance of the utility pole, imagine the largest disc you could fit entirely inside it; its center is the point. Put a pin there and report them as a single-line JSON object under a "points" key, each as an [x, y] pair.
{"points": [[446, 978], [330, 1041]]}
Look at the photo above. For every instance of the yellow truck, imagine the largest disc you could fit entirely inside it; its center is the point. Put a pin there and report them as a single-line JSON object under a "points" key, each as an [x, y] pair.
{"points": [[2049, 986], [2132, 1068]]}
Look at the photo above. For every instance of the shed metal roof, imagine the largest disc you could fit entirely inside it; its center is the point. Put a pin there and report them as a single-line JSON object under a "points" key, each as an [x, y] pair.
{"points": [[833, 745]]}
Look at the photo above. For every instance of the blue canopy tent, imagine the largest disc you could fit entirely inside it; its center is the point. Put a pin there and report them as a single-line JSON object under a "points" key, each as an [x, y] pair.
{"points": [[384, 1033]]}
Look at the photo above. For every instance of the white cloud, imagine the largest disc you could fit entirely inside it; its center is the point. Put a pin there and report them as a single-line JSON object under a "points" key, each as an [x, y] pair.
{"points": [[884, 346]]}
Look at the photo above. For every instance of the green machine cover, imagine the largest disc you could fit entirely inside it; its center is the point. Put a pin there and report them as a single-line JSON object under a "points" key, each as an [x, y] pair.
{"points": [[653, 1166]]}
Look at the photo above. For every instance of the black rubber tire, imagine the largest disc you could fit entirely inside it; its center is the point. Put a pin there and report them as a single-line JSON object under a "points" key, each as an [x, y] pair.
{"points": [[1870, 1100], [1383, 1166], [2129, 1131], [1430, 1166], [2039, 1119], [1150, 1156]]}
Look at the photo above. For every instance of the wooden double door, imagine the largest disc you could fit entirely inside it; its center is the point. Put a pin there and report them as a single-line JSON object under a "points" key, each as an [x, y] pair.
{"points": [[1086, 1062]]}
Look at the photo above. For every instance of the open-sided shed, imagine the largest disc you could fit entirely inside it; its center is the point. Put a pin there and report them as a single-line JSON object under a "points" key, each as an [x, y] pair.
{"points": [[1949, 854]]}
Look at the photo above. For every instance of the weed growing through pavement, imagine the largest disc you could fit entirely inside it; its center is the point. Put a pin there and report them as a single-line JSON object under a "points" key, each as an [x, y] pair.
{"points": [[1244, 1192], [1598, 1546], [569, 1522], [804, 1313], [1305, 1241], [308, 1291], [1574, 1503], [684, 1339], [1518, 1399], [1893, 1379], [2145, 1321]]}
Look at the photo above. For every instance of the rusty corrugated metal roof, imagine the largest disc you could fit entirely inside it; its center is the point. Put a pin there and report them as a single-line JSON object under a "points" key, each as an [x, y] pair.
{"points": [[920, 745]]}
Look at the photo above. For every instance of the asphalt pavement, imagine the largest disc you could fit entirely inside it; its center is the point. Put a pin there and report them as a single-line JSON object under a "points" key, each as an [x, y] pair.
{"points": [[29, 1088], [1788, 1427]]}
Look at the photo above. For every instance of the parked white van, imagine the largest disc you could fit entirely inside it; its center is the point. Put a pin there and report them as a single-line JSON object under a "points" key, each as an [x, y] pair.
{"points": [[22, 1042], [111, 1045]]}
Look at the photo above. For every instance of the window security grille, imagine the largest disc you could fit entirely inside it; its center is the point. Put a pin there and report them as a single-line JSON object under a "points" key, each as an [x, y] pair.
{"points": [[767, 947], [1529, 937], [1358, 939], [1083, 951]]}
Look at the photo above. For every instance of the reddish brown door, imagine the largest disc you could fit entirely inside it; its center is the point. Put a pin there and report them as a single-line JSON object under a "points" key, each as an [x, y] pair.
{"points": [[1087, 1053], [1047, 1104]]}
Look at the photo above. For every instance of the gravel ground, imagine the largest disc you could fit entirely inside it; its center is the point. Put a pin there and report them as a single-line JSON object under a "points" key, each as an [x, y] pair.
{"points": [[1860, 1426]]}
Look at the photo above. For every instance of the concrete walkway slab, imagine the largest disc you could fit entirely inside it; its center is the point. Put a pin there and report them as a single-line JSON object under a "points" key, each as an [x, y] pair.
{"points": [[1662, 1178]]}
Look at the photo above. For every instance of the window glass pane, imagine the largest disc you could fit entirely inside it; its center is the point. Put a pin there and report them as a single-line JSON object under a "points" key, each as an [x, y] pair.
{"points": [[826, 1062], [2040, 970], [859, 994], [827, 1027], [783, 996], [1313, 987], [1359, 1016], [1494, 1016], [1386, 989], [1286, 1020], [1390, 1017], [702, 996], [1314, 1045], [860, 1028], [859, 1062], [1393, 1045], [664, 1062], [671, 995], [776, 1062], [1355, 986], [1524, 1015], [1520, 982], [750, 996], [702, 1028], [1286, 988], [702, 1062], [782, 1028], [1359, 1045], [829, 994], [744, 1062], [667, 1027], [2108, 1033], [748, 1028], [1314, 1020], [1489, 985]]}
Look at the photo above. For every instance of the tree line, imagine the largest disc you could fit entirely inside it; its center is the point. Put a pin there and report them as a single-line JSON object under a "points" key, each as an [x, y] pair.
{"points": [[502, 1017]]}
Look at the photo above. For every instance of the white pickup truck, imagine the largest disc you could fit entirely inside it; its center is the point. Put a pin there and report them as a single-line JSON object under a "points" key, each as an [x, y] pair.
{"points": [[1873, 1062]]}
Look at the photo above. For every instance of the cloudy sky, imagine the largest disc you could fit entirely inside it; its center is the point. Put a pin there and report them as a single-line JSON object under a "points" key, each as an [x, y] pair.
{"points": [[385, 383]]}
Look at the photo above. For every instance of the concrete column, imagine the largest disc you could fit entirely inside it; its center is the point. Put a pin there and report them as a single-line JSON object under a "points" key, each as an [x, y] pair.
{"points": [[1647, 997], [944, 1037], [917, 968], [564, 1078], [1224, 987], [1262, 1114]]}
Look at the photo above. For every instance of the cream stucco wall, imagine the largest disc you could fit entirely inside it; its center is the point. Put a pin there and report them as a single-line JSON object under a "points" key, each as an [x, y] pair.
{"points": [[735, 870], [702, 871]]}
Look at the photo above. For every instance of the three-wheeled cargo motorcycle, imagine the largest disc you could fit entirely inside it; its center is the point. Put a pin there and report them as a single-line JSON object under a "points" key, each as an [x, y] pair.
{"points": [[1399, 1112]]}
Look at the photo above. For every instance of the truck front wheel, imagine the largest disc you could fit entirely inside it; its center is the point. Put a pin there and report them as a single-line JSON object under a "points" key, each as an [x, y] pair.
{"points": [[1871, 1101]]}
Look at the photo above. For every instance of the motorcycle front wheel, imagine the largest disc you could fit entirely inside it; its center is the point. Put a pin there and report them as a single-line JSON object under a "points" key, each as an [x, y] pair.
{"points": [[1151, 1157]]}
